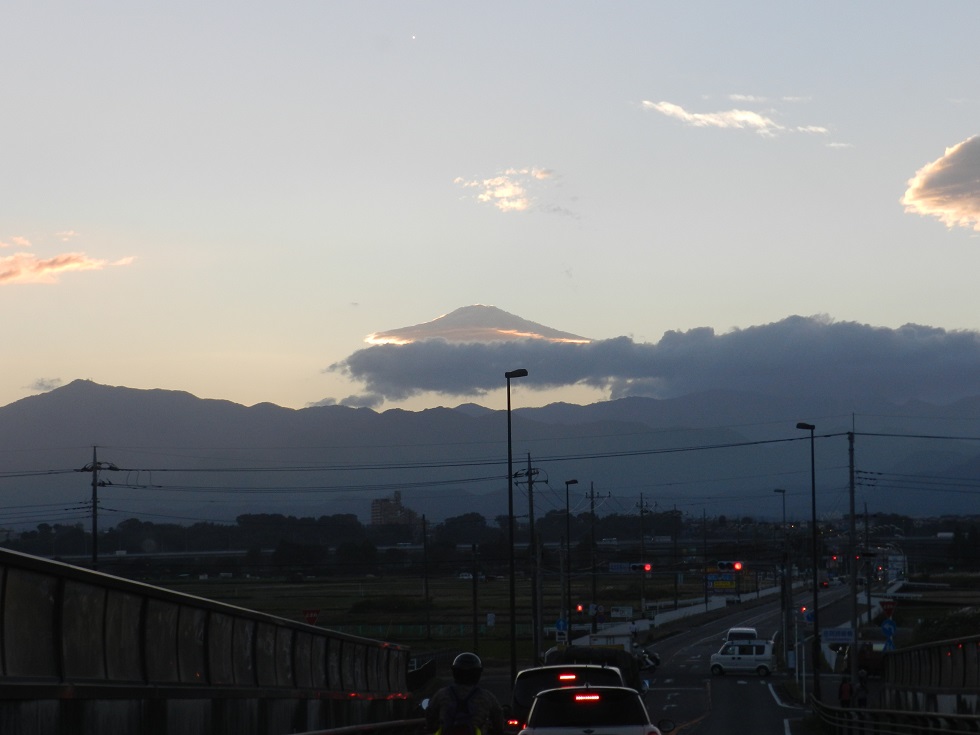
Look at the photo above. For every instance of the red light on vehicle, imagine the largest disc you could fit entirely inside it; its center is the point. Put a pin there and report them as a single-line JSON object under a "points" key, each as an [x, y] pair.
{"points": [[567, 677], [586, 697]]}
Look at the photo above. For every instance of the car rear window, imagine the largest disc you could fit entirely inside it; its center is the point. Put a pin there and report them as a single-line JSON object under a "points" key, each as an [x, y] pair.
{"points": [[531, 682], [588, 708]]}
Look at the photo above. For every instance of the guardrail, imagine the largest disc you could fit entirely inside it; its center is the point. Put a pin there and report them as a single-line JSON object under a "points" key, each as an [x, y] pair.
{"points": [[857, 721], [85, 652], [934, 677]]}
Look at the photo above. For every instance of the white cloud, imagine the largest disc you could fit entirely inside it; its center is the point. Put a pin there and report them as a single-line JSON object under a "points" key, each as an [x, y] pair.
{"points": [[736, 119], [949, 187], [43, 385], [508, 191]]}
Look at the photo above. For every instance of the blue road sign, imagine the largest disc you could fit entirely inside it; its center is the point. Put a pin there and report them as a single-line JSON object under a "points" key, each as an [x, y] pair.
{"points": [[888, 627]]}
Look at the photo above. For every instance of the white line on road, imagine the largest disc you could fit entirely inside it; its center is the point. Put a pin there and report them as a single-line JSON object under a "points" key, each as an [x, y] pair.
{"points": [[780, 702]]}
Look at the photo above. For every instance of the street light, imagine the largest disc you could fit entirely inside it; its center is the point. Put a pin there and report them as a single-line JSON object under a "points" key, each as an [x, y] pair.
{"points": [[519, 373], [815, 553], [568, 556], [786, 587]]}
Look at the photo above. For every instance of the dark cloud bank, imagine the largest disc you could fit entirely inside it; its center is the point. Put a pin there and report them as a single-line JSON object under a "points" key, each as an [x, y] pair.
{"points": [[798, 355]]}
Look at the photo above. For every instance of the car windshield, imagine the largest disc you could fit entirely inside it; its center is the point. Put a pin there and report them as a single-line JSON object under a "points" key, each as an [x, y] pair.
{"points": [[531, 682], [588, 708]]}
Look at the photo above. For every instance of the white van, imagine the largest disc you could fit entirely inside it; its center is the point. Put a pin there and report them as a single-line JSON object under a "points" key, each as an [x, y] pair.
{"points": [[744, 655], [740, 634]]}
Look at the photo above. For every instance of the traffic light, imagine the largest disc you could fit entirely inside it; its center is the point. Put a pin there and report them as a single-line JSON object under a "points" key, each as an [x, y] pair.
{"points": [[730, 566], [641, 567], [579, 608]]}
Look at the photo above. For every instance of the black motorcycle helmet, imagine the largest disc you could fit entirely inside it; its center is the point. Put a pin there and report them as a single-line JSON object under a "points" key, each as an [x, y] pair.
{"points": [[467, 668]]}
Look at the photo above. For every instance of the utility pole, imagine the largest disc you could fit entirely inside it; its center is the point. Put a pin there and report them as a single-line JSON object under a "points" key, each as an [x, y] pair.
{"points": [[533, 549], [867, 566], [704, 553], [476, 605], [94, 469], [425, 579], [595, 603], [855, 644], [643, 560], [95, 509]]}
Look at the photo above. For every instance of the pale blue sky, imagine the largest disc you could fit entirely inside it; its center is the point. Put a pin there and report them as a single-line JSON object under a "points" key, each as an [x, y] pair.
{"points": [[227, 198]]}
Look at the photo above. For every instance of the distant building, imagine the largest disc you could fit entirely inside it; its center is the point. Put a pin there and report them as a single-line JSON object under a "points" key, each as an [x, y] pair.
{"points": [[390, 511]]}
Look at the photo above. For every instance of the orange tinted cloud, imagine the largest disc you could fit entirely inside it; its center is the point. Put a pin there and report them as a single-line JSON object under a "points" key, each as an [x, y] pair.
{"points": [[949, 187], [28, 268]]}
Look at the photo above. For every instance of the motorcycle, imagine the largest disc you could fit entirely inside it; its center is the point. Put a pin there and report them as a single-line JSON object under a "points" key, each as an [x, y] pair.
{"points": [[649, 660]]}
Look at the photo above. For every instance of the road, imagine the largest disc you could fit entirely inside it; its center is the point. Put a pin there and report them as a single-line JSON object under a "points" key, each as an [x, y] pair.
{"points": [[683, 690]]}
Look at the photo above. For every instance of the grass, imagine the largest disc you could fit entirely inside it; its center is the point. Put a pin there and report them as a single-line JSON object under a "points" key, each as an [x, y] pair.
{"points": [[372, 606]]}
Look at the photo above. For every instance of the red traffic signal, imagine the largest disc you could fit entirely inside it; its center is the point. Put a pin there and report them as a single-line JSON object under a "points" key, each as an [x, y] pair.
{"points": [[730, 566], [641, 567]]}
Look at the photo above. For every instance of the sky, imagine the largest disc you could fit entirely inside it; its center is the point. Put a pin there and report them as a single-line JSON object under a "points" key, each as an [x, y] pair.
{"points": [[235, 199]]}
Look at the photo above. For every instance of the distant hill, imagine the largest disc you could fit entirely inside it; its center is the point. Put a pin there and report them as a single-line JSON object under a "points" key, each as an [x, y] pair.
{"points": [[184, 458]]}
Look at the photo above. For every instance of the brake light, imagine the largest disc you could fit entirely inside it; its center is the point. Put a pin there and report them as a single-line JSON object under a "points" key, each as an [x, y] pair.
{"points": [[567, 677], [586, 697]]}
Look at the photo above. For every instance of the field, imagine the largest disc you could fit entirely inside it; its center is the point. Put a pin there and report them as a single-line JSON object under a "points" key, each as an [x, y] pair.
{"points": [[393, 608]]}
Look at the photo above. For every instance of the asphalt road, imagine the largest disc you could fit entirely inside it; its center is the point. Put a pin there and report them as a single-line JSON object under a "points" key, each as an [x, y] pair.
{"points": [[684, 690]]}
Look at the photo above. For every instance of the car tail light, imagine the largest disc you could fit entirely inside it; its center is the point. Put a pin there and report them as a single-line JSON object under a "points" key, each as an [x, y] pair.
{"points": [[586, 698], [567, 677]]}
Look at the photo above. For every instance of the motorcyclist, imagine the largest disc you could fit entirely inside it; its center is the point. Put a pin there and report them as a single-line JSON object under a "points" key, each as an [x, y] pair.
{"points": [[463, 706]]}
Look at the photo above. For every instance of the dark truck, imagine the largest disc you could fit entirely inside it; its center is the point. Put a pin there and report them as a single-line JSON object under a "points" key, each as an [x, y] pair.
{"points": [[530, 682], [623, 660]]}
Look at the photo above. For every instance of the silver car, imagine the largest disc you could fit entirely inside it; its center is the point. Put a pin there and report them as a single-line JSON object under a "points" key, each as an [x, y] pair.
{"points": [[578, 710]]}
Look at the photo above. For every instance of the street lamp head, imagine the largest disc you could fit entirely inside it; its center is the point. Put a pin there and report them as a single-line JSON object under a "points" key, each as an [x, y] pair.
{"points": [[779, 490], [570, 482], [519, 373], [805, 426]]}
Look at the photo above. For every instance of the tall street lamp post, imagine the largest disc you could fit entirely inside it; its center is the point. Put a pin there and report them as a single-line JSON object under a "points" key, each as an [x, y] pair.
{"points": [[519, 373], [786, 588], [568, 556], [815, 554]]}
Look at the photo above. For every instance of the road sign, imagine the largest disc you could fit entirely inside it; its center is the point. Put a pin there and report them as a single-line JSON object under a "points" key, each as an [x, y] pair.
{"points": [[889, 627], [311, 616], [837, 635], [888, 607], [561, 625]]}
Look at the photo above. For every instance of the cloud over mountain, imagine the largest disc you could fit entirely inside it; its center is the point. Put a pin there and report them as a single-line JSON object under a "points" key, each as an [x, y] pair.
{"points": [[813, 355]]}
